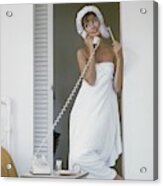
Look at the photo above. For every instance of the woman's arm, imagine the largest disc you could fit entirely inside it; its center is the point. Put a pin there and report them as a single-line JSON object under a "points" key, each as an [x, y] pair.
{"points": [[90, 75], [118, 75]]}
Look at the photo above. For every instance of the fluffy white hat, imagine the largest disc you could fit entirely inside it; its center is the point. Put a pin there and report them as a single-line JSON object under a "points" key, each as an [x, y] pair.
{"points": [[90, 8]]}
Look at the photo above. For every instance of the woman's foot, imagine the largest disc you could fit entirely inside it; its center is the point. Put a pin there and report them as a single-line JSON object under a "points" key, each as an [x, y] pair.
{"points": [[118, 177]]}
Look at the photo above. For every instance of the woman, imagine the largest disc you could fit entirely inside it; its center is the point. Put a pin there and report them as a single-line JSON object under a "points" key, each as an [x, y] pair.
{"points": [[95, 140]]}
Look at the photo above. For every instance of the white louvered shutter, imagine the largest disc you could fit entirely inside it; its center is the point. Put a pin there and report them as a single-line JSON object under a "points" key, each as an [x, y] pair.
{"points": [[43, 78]]}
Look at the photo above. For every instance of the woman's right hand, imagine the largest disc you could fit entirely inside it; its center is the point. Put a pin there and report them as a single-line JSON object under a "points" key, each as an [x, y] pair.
{"points": [[89, 43]]}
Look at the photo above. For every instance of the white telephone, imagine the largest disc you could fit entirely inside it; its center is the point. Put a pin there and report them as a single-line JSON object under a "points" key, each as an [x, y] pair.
{"points": [[96, 41], [40, 164]]}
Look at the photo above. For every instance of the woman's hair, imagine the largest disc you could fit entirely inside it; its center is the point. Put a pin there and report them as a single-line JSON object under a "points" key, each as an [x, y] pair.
{"points": [[85, 17]]}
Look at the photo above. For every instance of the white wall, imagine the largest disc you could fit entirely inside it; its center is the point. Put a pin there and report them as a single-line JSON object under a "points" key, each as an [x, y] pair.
{"points": [[17, 78], [137, 96]]}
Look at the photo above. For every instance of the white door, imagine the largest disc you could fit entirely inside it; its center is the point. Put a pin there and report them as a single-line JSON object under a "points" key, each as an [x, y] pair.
{"points": [[138, 101], [16, 79], [27, 78]]}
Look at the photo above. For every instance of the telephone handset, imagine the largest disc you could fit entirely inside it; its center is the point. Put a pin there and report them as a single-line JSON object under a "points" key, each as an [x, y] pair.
{"points": [[96, 41]]}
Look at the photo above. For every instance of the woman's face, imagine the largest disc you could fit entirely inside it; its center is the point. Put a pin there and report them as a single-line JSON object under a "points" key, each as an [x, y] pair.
{"points": [[91, 24]]}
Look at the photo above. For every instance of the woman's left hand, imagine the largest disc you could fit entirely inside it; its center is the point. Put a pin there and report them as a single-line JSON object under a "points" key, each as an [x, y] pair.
{"points": [[117, 48]]}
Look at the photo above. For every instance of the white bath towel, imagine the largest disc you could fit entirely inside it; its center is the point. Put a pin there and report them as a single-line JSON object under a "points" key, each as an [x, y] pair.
{"points": [[94, 126]]}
